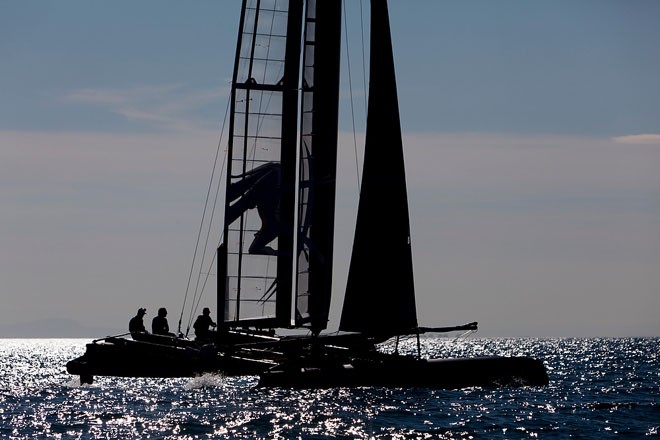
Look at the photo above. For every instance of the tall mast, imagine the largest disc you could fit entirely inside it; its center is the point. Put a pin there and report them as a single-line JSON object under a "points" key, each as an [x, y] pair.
{"points": [[318, 159]]}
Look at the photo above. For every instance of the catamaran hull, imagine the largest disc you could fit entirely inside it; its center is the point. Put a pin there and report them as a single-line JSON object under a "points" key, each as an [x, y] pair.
{"points": [[435, 373], [128, 358]]}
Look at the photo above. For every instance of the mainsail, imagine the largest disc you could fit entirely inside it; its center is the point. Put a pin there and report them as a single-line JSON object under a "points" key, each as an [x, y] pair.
{"points": [[256, 258], [380, 294], [273, 95]]}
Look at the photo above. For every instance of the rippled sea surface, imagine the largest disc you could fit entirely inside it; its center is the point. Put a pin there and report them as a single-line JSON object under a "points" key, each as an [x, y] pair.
{"points": [[599, 388]]}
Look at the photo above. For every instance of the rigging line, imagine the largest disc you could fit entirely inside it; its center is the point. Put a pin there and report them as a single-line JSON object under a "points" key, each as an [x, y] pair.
{"points": [[197, 298], [364, 58], [350, 88], [465, 334], [198, 293], [201, 224], [208, 274], [210, 224]]}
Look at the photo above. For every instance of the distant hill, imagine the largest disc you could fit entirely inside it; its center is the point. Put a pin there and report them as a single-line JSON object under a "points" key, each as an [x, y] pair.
{"points": [[54, 328]]}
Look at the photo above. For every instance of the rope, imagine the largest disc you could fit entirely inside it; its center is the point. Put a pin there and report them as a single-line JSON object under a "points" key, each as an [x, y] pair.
{"points": [[198, 293], [350, 88], [201, 224], [198, 297], [364, 59]]}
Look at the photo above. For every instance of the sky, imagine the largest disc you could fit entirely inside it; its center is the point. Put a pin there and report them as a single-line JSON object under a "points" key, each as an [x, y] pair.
{"points": [[532, 142]]}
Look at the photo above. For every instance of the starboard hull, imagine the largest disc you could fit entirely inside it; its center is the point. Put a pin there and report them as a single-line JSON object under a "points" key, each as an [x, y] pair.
{"points": [[407, 372]]}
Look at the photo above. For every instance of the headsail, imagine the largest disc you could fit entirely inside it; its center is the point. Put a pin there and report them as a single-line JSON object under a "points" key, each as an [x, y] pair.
{"points": [[380, 296], [256, 258]]}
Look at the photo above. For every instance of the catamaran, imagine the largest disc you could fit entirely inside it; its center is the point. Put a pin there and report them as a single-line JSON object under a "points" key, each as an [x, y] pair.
{"points": [[275, 261]]}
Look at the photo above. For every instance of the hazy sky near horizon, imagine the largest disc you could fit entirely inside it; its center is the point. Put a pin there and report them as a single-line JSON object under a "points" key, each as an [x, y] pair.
{"points": [[532, 136]]}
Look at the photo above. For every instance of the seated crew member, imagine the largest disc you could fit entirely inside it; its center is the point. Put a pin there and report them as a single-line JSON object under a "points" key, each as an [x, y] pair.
{"points": [[159, 325], [202, 324], [135, 325]]}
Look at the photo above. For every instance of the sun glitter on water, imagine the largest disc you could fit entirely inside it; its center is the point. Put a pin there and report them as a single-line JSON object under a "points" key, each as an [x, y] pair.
{"points": [[599, 389]]}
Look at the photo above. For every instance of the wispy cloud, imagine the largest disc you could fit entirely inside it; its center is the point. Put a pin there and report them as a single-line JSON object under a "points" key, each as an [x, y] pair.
{"points": [[166, 106], [124, 96], [638, 139]]}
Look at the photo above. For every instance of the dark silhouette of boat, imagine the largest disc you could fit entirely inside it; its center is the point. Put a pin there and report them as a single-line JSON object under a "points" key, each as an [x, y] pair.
{"points": [[275, 261]]}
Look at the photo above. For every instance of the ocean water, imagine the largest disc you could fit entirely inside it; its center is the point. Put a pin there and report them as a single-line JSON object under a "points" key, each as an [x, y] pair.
{"points": [[599, 389]]}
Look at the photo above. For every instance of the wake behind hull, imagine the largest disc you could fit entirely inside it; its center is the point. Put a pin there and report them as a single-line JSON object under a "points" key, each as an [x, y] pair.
{"points": [[407, 372]]}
